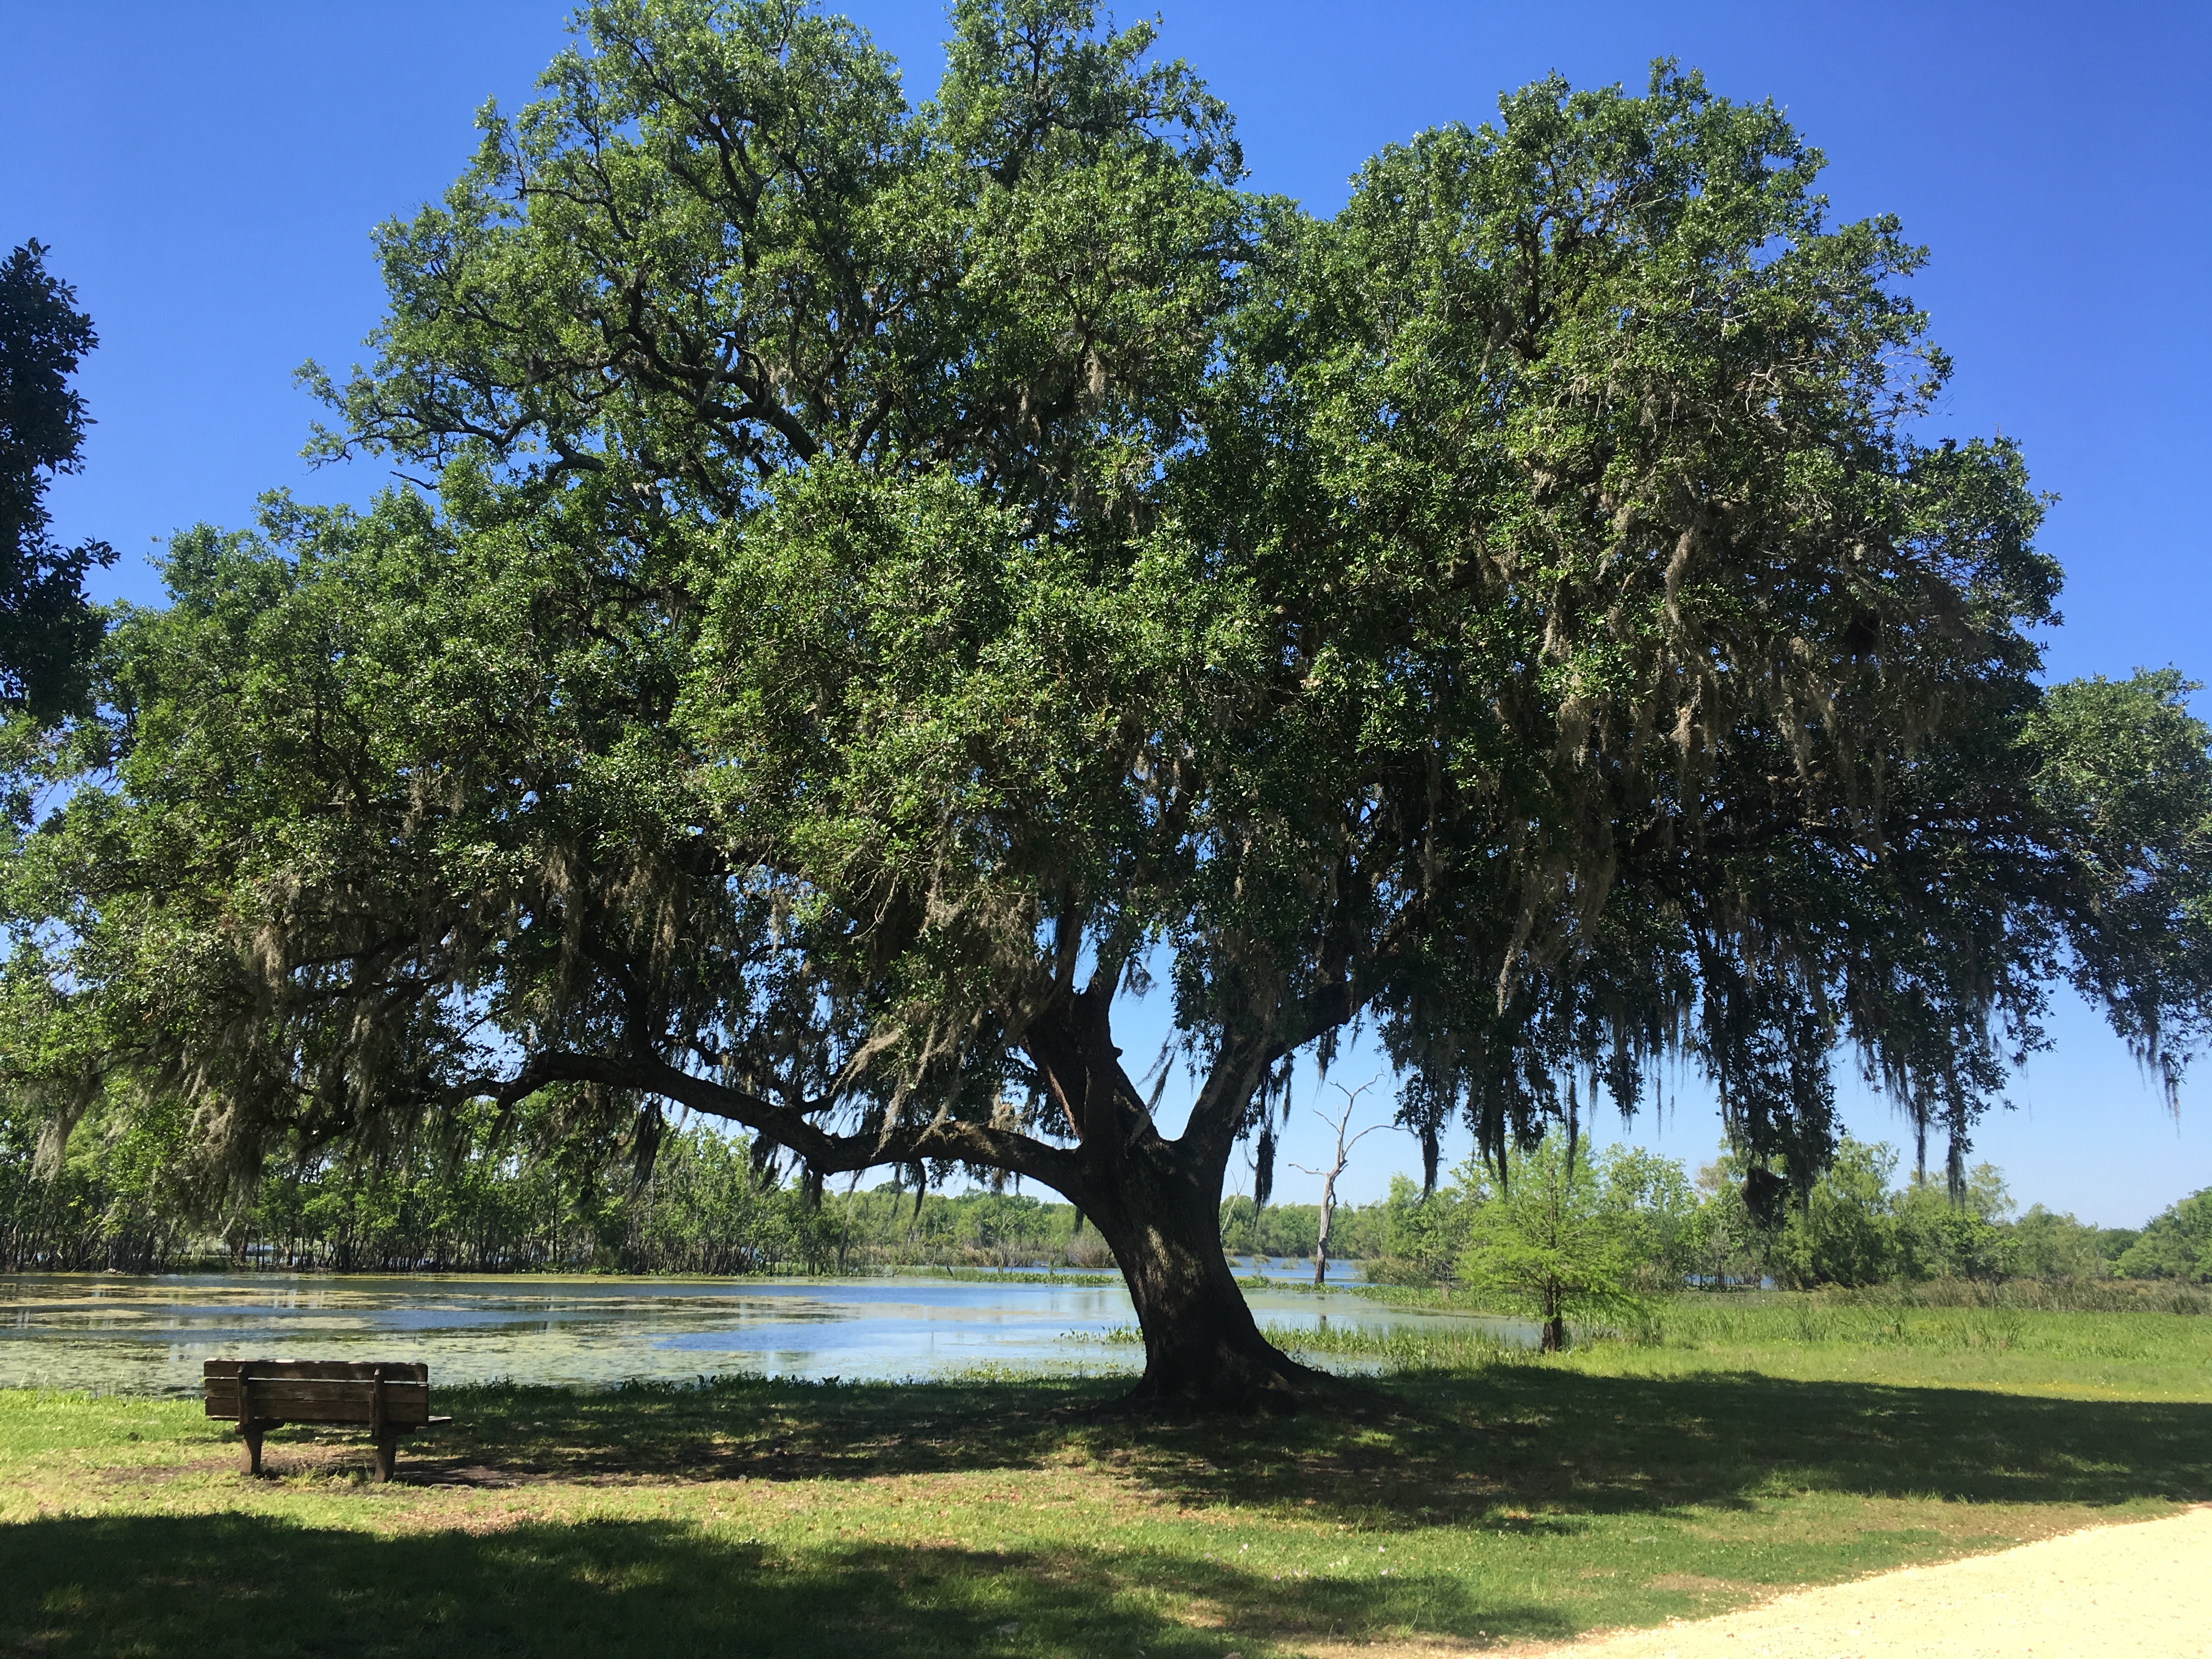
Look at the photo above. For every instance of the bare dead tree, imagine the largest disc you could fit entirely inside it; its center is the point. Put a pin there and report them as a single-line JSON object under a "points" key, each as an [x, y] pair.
{"points": [[1341, 1123]]}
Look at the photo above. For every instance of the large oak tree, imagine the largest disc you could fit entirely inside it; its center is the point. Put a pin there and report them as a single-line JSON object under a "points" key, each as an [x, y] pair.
{"points": [[880, 582]]}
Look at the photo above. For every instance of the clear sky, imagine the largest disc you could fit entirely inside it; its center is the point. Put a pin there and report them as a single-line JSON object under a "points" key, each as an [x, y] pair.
{"points": [[208, 176]]}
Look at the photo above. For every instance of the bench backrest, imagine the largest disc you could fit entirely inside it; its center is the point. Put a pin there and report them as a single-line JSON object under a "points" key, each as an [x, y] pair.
{"points": [[378, 1392]]}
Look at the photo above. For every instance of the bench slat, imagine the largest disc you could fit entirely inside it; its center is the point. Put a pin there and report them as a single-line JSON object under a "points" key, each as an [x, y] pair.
{"points": [[286, 1400], [360, 1370]]}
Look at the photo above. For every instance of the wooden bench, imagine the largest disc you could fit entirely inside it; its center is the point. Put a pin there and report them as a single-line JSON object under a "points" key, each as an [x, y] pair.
{"points": [[391, 1398]]}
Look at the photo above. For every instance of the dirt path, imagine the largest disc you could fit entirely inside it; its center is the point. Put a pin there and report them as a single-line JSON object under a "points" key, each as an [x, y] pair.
{"points": [[2144, 1590]]}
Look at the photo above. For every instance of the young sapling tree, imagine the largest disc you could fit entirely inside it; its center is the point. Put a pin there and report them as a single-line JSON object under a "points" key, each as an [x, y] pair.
{"points": [[1543, 1240]]}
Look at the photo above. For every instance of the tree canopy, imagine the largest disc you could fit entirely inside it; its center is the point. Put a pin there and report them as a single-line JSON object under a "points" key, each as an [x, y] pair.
{"points": [[877, 581], [46, 628]]}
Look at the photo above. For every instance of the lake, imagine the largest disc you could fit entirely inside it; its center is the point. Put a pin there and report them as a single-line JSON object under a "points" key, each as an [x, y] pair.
{"points": [[119, 1333]]}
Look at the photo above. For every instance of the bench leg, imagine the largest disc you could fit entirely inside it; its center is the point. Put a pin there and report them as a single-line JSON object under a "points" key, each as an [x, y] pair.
{"points": [[387, 1454], [249, 1436]]}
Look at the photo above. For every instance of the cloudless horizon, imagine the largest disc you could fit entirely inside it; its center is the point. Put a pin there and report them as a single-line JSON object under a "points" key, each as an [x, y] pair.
{"points": [[208, 179]]}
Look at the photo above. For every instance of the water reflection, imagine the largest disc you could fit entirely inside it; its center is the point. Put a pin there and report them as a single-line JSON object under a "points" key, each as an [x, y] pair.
{"points": [[117, 1334], [1293, 1269]]}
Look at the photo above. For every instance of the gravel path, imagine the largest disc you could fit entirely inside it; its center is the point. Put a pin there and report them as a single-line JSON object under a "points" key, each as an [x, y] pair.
{"points": [[2142, 1590]]}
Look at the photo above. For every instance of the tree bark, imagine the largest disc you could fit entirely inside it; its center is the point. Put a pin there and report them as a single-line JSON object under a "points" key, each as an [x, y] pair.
{"points": [[1158, 1205], [1553, 1338], [1328, 1213], [1203, 1349]]}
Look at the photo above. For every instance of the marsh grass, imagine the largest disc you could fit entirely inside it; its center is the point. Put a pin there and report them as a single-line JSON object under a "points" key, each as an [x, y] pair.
{"points": [[1398, 1347], [2142, 1355], [1073, 1278], [2046, 1295], [1477, 1493], [1874, 1336]]}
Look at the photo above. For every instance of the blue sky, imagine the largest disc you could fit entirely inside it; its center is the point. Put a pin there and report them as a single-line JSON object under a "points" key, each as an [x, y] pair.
{"points": [[208, 176]]}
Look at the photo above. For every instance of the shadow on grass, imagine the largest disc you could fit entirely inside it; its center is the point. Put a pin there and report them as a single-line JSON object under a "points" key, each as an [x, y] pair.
{"points": [[1532, 1437], [244, 1586], [1527, 1448], [1425, 1448]]}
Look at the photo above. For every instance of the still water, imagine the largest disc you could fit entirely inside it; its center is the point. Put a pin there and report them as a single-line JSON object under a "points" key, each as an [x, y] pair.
{"points": [[115, 1334]]}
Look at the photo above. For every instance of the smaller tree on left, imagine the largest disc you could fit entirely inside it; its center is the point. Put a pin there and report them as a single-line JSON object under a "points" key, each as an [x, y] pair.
{"points": [[47, 631]]}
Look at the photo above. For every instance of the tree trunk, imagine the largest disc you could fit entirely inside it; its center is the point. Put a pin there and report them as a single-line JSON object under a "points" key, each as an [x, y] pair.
{"points": [[1156, 1204], [1202, 1346], [1320, 1242]]}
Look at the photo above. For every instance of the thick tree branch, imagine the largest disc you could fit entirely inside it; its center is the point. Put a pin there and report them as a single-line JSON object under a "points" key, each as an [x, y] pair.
{"points": [[827, 1153], [1218, 1116]]}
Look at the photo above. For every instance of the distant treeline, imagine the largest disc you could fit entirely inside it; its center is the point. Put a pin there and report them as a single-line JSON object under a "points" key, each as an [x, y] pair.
{"points": [[1290, 1230], [517, 1196], [478, 1206], [1860, 1226], [706, 1207], [500, 1197]]}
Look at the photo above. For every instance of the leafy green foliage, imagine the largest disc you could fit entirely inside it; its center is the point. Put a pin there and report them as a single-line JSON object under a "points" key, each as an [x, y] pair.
{"points": [[1847, 1232], [890, 1226], [2123, 770], [105, 1201], [1356, 1231], [1728, 1242], [1549, 1237], [1423, 1233], [1854, 1229], [2050, 1245], [1652, 1208], [46, 630], [491, 1198], [2177, 1244], [1859, 1228]]}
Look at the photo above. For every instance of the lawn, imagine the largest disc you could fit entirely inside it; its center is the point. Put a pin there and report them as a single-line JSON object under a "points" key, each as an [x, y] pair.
{"points": [[1469, 1496]]}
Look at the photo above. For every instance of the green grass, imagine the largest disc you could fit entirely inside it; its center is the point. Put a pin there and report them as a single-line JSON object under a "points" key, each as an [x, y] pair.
{"points": [[2133, 1356], [1402, 1348], [1472, 1494], [2141, 1354]]}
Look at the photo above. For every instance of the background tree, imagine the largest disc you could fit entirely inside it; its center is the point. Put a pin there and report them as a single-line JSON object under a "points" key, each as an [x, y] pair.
{"points": [[46, 629], [1730, 1245], [1356, 1231], [2049, 1245], [1654, 1208], [1423, 1233], [1961, 1234], [1847, 1230], [1341, 1123], [893, 579], [2177, 1244], [1548, 1238], [1856, 1228]]}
